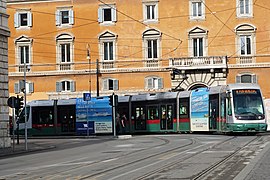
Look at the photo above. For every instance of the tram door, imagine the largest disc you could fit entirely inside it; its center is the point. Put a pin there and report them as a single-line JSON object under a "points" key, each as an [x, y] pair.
{"points": [[66, 117], [140, 119], [213, 111], [166, 120]]}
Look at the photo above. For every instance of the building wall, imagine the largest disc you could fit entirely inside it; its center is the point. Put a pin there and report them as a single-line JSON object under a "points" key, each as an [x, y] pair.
{"points": [[174, 24], [4, 110]]}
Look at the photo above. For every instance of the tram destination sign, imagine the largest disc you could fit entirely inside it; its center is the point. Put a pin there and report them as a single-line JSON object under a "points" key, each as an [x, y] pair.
{"points": [[246, 91]]}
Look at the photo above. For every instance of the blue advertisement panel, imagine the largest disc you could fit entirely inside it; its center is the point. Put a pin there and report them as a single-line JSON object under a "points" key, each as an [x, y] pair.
{"points": [[199, 102], [98, 114]]}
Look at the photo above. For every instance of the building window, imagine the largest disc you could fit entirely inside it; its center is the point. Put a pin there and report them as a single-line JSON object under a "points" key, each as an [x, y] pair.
{"points": [[197, 9], [151, 39], [65, 52], [245, 45], [107, 49], [110, 84], [246, 78], [65, 43], [245, 40], [198, 42], [107, 14], [23, 52], [152, 49], [153, 83], [23, 19], [197, 47], [244, 8], [64, 17], [65, 86], [20, 86], [150, 12]]}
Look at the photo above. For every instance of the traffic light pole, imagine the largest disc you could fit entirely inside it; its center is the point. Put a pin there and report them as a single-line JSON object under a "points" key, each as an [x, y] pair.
{"points": [[114, 113], [25, 114]]}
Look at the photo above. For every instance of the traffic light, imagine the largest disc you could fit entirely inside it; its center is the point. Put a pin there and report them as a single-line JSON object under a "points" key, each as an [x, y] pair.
{"points": [[115, 100], [21, 103], [111, 100]]}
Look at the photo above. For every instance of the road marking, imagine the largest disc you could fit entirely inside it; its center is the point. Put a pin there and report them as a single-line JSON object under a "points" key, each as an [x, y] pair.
{"points": [[108, 160]]}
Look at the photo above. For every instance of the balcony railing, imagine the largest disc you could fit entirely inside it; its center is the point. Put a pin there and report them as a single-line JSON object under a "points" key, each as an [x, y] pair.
{"points": [[107, 65], [65, 66], [151, 63], [202, 62], [246, 60]]}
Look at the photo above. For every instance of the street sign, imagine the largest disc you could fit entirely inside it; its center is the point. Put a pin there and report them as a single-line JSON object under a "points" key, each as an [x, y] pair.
{"points": [[12, 102], [86, 96]]}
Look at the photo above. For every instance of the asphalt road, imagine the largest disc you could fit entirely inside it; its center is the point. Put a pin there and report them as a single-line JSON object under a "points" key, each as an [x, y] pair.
{"points": [[176, 156]]}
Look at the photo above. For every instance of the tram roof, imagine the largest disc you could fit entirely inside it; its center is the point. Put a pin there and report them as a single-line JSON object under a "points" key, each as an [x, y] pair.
{"points": [[243, 86], [41, 103], [61, 102]]}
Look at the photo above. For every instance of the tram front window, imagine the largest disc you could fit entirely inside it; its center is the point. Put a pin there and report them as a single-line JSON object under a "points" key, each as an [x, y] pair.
{"points": [[248, 103]]}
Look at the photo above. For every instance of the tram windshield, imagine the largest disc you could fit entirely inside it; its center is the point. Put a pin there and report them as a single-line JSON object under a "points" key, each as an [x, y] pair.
{"points": [[248, 102]]}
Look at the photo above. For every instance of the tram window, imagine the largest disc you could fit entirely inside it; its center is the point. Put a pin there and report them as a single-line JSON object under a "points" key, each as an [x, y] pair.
{"points": [[152, 112], [45, 117], [183, 109]]}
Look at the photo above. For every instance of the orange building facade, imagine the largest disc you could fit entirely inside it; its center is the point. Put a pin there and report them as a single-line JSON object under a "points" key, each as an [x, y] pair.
{"points": [[64, 48]]}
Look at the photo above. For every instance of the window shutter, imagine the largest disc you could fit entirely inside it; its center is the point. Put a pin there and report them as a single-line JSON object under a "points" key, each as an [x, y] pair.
{"points": [[105, 84], [113, 10], [16, 20], [160, 83], [238, 79], [58, 87], [72, 86], [150, 83], [16, 88], [254, 78], [71, 16], [31, 87], [57, 17], [29, 19], [100, 15], [115, 85]]}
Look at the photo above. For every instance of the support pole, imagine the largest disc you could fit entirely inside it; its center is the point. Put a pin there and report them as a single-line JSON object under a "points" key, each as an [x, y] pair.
{"points": [[25, 114], [97, 78]]}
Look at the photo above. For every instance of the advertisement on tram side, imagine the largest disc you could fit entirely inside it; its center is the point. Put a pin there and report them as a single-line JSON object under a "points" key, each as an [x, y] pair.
{"points": [[199, 102], [94, 116]]}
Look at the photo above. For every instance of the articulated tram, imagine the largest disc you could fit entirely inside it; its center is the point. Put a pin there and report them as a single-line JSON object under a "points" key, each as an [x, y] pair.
{"points": [[223, 109], [229, 108]]}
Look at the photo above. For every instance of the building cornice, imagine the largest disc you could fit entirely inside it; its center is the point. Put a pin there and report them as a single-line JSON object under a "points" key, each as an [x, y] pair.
{"points": [[19, 2], [86, 71]]}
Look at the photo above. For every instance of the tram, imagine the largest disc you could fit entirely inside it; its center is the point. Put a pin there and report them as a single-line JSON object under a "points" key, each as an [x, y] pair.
{"points": [[67, 117], [224, 109]]}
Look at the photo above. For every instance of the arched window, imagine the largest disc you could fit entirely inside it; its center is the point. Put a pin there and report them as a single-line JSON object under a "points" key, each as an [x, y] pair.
{"points": [[246, 78], [65, 48], [245, 40]]}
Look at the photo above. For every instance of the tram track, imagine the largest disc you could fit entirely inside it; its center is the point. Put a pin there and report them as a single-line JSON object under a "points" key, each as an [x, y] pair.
{"points": [[205, 172], [181, 152], [55, 175]]}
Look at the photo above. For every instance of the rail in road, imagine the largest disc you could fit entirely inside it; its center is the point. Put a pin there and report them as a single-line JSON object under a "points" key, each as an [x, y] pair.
{"points": [[173, 157]]}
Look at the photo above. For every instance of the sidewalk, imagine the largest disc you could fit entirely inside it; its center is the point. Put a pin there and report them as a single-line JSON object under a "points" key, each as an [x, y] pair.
{"points": [[20, 148]]}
